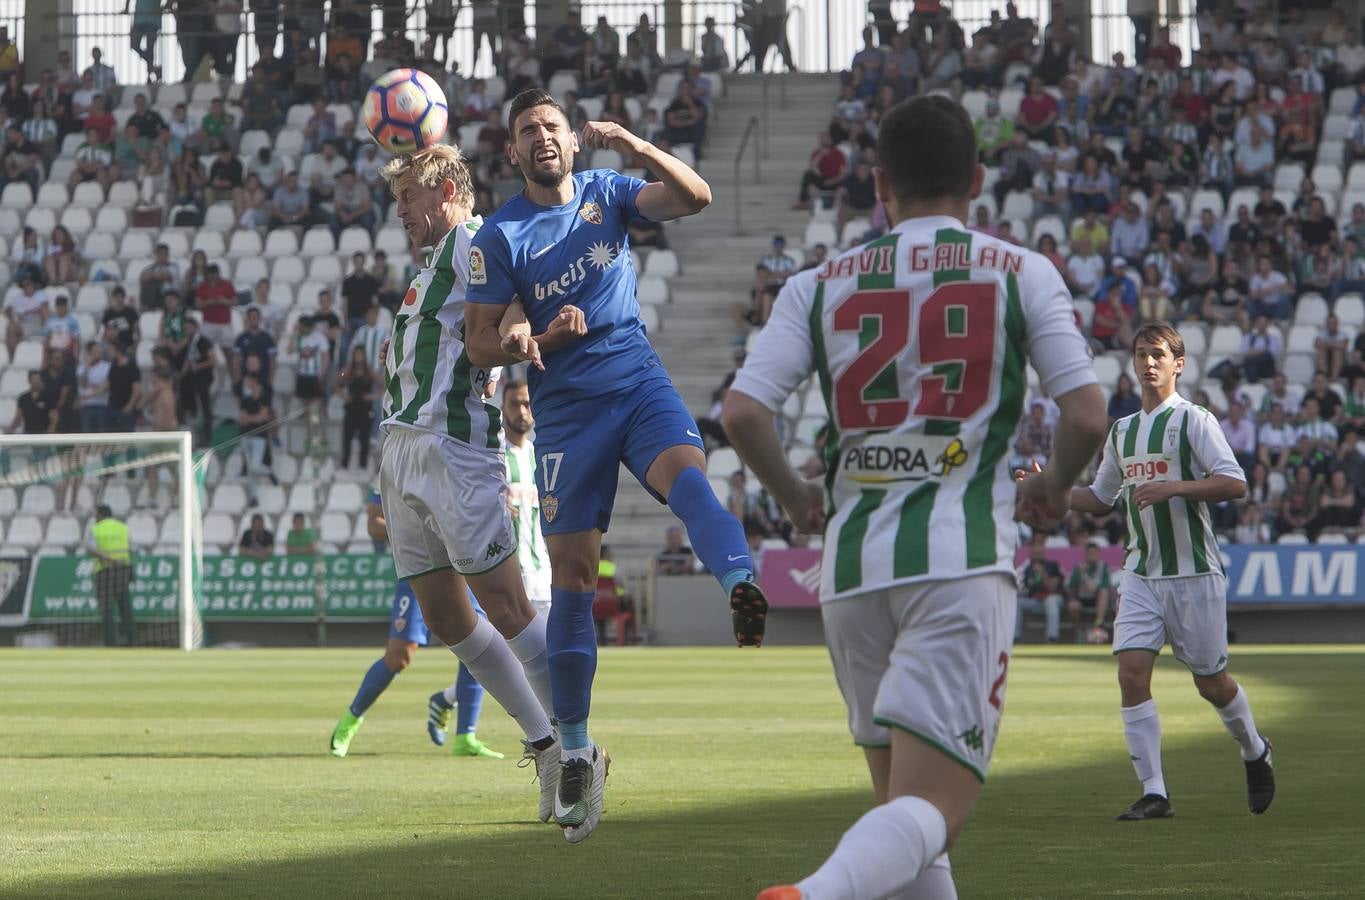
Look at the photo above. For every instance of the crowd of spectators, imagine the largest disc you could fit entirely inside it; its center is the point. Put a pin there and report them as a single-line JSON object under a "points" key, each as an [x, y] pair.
{"points": [[283, 151], [1160, 191]]}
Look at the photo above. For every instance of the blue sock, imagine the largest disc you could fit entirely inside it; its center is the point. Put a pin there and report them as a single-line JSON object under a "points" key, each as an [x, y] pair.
{"points": [[717, 537], [571, 639], [371, 686], [469, 697]]}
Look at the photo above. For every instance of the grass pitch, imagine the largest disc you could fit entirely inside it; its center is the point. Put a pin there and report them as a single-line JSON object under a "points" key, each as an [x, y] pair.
{"points": [[161, 774]]}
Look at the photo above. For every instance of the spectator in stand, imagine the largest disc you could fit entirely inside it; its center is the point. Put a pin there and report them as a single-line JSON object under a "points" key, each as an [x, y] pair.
{"points": [[251, 204], [1155, 296], [93, 162], [1123, 402], [1318, 228], [1085, 268], [254, 341], [1318, 270], [685, 120], [215, 298], [311, 351], [33, 413], [130, 152], [320, 128], [1038, 112], [254, 417], [856, 195], [257, 541], [1261, 350], [301, 540], [1339, 506], [1091, 189], [826, 170], [1111, 328], [188, 180], [1252, 528], [119, 325], [268, 167], [321, 172], [714, 57], [1241, 434], [19, 160], [356, 384], [1040, 587], [1299, 505], [1130, 234], [83, 96], [1330, 347], [262, 108], [196, 380], [1051, 190], [1254, 161], [993, 132], [1018, 164], [59, 382], [1089, 587], [9, 54], [777, 266], [63, 261], [1350, 457], [1119, 277], [61, 332], [351, 203], [360, 292], [289, 204], [1279, 393], [1328, 403], [1274, 438], [225, 175], [676, 558], [125, 390], [1270, 292], [217, 127], [25, 313]]}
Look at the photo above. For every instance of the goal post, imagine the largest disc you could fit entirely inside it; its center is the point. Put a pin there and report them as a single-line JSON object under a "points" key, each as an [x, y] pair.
{"points": [[50, 486]]}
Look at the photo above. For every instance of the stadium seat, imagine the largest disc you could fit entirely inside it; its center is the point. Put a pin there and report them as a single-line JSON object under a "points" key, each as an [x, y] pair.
{"points": [[1010, 98], [1085, 308], [663, 263], [41, 219], [1293, 538], [651, 289], [346, 497], [1052, 225], [52, 196], [1327, 178], [686, 153], [39, 500], [243, 244], [27, 354], [26, 532], [111, 220], [563, 82], [135, 245], [494, 88], [302, 498], [606, 158], [722, 463], [853, 231], [98, 245], [17, 196], [1311, 310], [318, 241], [220, 217], [1299, 368], [354, 240], [1226, 339], [1107, 369], [593, 106], [211, 242], [289, 142], [77, 220], [88, 195], [335, 528], [1350, 309], [124, 194], [649, 315], [249, 271], [1195, 337], [270, 498], [63, 531], [1288, 176], [250, 142], [289, 270], [229, 498], [975, 103], [142, 529], [1342, 101], [393, 241], [1336, 127], [820, 233], [468, 138], [326, 269], [280, 242], [1301, 337], [219, 530], [1332, 537], [1018, 205], [1203, 200], [149, 323], [132, 273]]}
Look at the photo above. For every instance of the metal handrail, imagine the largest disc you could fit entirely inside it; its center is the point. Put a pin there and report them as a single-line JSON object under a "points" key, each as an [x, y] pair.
{"points": [[749, 131]]}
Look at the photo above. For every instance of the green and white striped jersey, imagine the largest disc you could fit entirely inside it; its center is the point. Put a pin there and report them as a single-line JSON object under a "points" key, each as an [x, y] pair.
{"points": [[919, 340], [531, 552], [1177, 441], [430, 383]]}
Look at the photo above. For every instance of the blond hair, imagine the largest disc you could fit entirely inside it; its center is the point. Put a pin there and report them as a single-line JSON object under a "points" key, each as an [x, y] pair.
{"points": [[429, 168]]}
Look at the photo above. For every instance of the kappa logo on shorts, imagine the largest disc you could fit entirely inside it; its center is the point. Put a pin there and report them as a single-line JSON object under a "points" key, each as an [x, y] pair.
{"points": [[478, 272], [549, 505], [972, 737], [400, 624], [591, 213], [493, 550]]}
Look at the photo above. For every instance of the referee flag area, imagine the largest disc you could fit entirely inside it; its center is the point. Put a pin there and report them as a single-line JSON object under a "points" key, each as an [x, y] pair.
{"points": [[144, 773]]}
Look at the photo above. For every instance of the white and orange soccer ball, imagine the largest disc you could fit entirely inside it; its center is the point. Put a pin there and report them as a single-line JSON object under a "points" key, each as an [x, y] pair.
{"points": [[405, 110]]}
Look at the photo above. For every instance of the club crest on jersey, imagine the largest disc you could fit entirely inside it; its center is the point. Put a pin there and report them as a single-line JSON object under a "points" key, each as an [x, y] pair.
{"points": [[549, 507], [591, 213], [478, 272], [892, 459], [400, 624]]}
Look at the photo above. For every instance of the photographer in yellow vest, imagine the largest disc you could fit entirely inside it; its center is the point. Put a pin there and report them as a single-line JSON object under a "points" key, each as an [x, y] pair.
{"points": [[109, 546]]}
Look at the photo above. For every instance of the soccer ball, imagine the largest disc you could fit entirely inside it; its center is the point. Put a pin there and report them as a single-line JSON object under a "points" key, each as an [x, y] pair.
{"points": [[405, 110]]}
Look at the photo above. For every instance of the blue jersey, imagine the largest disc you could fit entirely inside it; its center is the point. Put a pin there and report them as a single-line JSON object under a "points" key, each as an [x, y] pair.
{"points": [[577, 253]]}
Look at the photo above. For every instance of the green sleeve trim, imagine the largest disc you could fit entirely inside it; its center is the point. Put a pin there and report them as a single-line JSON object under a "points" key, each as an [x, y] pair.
{"points": [[887, 723]]}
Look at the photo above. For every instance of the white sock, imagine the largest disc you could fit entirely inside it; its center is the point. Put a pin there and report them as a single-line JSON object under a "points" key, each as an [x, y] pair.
{"points": [[529, 647], [449, 694], [1237, 720], [883, 854], [1142, 730], [583, 753], [487, 656], [935, 883]]}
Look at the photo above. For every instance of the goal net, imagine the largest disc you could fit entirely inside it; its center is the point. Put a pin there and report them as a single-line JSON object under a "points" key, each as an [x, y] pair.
{"points": [[54, 591]]}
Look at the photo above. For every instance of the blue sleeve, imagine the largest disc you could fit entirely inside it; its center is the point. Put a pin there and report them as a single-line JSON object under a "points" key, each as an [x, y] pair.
{"points": [[491, 279], [374, 495], [624, 190]]}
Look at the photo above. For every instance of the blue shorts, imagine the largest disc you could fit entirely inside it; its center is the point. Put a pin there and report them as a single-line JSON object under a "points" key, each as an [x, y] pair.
{"points": [[405, 619], [581, 444]]}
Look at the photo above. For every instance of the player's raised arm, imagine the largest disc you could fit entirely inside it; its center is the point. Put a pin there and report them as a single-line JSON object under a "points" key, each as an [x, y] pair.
{"points": [[679, 192]]}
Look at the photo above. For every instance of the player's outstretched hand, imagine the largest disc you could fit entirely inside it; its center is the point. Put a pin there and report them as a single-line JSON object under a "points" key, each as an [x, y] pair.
{"points": [[807, 508], [571, 323], [523, 346], [383, 353], [609, 135], [1036, 504]]}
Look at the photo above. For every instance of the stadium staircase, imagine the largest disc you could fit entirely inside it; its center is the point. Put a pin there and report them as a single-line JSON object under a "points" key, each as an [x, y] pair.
{"points": [[695, 337]]}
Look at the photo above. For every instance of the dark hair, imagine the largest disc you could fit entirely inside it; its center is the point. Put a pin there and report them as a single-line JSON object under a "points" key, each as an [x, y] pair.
{"points": [[927, 148], [103, 511], [530, 99], [1153, 332], [512, 384]]}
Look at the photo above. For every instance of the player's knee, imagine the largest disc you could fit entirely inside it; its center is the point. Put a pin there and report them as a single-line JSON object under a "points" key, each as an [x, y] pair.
{"points": [[1217, 689], [575, 575], [398, 658]]}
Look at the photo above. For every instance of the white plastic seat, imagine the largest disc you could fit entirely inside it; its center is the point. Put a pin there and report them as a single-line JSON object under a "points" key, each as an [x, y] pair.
{"points": [[1288, 176], [97, 246], [651, 289], [41, 219], [326, 269], [63, 531], [26, 532], [1292, 538], [229, 498], [1301, 339], [142, 529], [335, 528], [39, 500], [219, 218], [270, 498], [606, 158], [111, 220], [302, 498], [346, 497], [1052, 225], [17, 195], [52, 196], [1107, 369], [220, 530], [1225, 339], [1205, 199], [1350, 310], [1327, 178], [251, 141], [288, 270], [249, 271], [211, 242], [649, 317], [1311, 310], [280, 242], [244, 243], [820, 233], [135, 245], [853, 230], [318, 241], [289, 141], [354, 240], [124, 194], [1018, 205], [77, 220], [686, 153], [1299, 368], [88, 194], [663, 263], [1195, 337]]}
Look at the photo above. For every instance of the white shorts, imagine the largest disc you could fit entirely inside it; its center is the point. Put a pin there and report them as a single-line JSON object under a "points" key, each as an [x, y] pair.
{"points": [[220, 334], [929, 659], [445, 504], [1191, 613]]}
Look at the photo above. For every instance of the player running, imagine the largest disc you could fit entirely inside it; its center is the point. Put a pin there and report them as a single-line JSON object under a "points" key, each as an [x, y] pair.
{"points": [[441, 477], [919, 340], [602, 401], [1168, 463], [531, 554], [408, 631]]}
